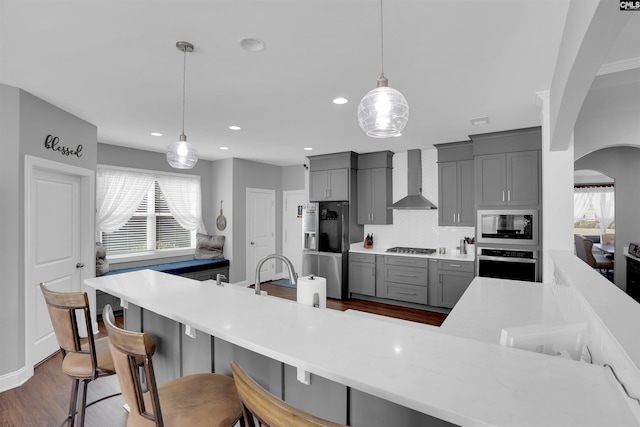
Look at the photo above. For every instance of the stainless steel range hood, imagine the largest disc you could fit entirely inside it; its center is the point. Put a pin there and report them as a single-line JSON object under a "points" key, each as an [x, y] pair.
{"points": [[414, 198]]}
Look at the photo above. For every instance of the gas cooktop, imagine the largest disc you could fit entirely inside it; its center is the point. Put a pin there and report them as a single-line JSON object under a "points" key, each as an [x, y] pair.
{"points": [[416, 251]]}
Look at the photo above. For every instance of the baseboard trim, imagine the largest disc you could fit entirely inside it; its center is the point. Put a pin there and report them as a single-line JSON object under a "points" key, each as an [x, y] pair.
{"points": [[14, 379]]}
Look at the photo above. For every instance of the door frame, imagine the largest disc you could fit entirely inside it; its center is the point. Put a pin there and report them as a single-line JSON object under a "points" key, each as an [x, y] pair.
{"points": [[249, 266], [285, 230], [87, 240]]}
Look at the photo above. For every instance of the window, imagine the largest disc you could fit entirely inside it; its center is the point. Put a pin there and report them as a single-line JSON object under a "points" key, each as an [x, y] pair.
{"points": [[594, 210], [151, 228], [147, 213]]}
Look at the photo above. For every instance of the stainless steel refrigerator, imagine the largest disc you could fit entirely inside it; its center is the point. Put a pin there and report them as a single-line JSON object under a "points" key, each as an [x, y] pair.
{"points": [[326, 231]]}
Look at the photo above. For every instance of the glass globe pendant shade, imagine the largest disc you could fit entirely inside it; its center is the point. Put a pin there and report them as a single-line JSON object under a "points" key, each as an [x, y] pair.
{"points": [[383, 112], [181, 154]]}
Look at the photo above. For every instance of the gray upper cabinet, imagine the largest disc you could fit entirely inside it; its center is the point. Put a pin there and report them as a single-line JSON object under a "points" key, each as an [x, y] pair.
{"points": [[456, 193], [509, 179], [507, 167], [456, 184], [329, 185], [332, 176], [374, 188]]}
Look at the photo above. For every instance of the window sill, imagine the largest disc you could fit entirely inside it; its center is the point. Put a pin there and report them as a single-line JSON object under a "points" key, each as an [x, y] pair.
{"points": [[145, 256]]}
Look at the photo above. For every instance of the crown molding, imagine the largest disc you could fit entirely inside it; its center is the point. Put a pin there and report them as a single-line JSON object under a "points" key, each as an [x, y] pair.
{"points": [[614, 67]]}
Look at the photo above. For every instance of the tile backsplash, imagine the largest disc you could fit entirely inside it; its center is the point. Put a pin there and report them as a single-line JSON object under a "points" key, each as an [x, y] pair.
{"points": [[417, 228]]}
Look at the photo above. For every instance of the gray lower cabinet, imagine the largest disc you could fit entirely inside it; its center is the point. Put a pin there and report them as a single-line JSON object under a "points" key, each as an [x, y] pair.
{"points": [[453, 278], [405, 279], [507, 179], [456, 193], [329, 185], [362, 274]]}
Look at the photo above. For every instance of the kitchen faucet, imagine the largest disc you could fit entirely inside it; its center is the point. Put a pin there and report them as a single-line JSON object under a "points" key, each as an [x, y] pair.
{"points": [[293, 277]]}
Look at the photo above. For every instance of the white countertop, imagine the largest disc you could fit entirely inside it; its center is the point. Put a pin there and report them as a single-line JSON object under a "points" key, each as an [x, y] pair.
{"points": [[380, 250], [493, 304], [463, 381]]}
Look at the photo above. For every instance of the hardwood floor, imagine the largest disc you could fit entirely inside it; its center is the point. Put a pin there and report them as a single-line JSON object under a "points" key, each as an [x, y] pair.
{"points": [[44, 399]]}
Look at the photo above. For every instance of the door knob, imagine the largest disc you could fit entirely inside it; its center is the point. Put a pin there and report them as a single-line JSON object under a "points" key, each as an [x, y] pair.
{"points": [[79, 265], [252, 243]]}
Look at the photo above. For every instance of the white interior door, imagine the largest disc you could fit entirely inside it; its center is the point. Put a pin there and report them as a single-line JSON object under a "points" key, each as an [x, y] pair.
{"points": [[57, 217], [260, 232], [292, 227]]}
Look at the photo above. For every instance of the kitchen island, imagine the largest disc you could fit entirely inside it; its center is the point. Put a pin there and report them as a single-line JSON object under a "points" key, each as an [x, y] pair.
{"points": [[361, 367]]}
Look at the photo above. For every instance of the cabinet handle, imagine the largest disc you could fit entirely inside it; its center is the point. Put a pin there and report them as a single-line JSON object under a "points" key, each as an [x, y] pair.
{"points": [[503, 195], [406, 275], [458, 217], [372, 217], [454, 265], [406, 293], [454, 218], [509, 195]]}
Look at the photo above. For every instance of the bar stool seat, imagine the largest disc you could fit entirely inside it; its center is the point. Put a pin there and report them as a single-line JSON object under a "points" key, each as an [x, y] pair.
{"points": [[193, 400], [80, 365], [184, 399]]}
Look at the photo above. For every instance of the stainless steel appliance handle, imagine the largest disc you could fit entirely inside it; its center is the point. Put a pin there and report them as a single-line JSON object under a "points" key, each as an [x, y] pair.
{"points": [[507, 259]]}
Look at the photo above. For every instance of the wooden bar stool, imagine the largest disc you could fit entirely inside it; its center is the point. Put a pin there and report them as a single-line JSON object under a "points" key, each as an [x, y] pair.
{"points": [[194, 400], [268, 409], [81, 361]]}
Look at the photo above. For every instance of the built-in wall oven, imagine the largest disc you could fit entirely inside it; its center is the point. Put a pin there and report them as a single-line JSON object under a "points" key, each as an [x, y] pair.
{"points": [[515, 264]]}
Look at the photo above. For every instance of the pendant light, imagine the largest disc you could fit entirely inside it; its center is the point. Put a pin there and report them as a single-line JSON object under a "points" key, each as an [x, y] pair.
{"points": [[181, 154], [383, 112]]}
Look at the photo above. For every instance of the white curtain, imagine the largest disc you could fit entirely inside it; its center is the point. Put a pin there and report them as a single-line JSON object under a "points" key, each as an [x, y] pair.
{"points": [[581, 203], [183, 196], [604, 206], [118, 195], [601, 199]]}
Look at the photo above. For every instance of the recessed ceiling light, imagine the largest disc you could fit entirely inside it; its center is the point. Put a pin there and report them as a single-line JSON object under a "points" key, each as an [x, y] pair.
{"points": [[251, 44], [234, 127], [224, 148], [340, 101], [308, 148], [479, 121], [156, 134]]}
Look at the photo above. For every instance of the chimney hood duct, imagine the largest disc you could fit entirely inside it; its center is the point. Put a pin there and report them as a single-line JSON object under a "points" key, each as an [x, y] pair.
{"points": [[414, 198]]}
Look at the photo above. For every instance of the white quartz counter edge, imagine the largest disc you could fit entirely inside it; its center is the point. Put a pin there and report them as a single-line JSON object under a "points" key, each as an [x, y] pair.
{"points": [[463, 381], [451, 255]]}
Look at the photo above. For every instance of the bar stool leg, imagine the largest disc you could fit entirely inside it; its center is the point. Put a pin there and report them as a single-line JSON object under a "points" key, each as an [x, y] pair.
{"points": [[84, 402], [73, 403]]}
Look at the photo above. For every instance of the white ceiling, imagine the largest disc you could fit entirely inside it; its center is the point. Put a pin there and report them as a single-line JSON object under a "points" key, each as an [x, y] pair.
{"points": [[114, 63]]}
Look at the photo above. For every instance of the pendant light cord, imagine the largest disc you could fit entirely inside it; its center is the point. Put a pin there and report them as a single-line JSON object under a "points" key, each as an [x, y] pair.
{"points": [[184, 85], [381, 41]]}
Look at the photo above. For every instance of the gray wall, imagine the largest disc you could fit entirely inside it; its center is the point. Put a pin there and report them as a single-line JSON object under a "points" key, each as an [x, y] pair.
{"points": [[25, 122], [293, 178], [621, 164], [248, 174]]}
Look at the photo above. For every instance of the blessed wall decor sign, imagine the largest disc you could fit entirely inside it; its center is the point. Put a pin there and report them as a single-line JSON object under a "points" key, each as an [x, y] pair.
{"points": [[53, 143]]}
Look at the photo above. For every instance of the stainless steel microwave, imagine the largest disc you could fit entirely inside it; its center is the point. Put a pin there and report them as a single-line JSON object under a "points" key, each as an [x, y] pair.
{"points": [[511, 226]]}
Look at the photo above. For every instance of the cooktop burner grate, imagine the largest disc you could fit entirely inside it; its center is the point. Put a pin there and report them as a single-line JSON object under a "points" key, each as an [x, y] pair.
{"points": [[405, 250]]}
